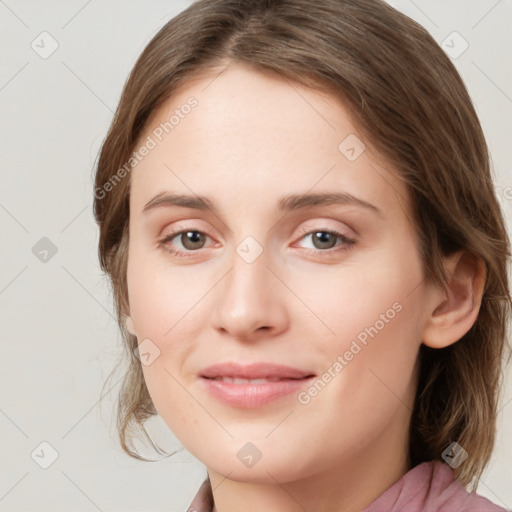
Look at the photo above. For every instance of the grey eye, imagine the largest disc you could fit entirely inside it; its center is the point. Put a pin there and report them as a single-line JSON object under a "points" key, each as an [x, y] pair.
{"points": [[192, 239], [325, 239]]}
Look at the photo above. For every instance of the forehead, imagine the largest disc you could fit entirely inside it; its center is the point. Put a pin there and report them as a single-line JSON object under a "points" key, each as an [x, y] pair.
{"points": [[248, 137]]}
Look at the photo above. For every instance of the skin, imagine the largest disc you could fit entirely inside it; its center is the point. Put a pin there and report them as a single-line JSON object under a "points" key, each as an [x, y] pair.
{"points": [[252, 139]]}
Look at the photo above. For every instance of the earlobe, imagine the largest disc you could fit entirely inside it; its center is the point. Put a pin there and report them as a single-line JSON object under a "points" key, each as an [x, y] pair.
{"points": [[455, 309], [128, 323]]}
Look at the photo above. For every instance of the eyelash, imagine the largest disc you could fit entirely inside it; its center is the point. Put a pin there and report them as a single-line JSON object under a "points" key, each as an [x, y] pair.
{"points": [[347, 242]]}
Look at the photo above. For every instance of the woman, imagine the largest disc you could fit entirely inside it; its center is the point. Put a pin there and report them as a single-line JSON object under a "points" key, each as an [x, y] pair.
{"points": [[308, 258]]}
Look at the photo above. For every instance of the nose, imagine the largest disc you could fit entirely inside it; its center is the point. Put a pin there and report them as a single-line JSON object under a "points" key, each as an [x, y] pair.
{"points": [[250, 301]]}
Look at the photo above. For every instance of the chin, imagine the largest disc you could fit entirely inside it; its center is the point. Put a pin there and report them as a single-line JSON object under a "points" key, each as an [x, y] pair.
{"points": [[266, 470]]}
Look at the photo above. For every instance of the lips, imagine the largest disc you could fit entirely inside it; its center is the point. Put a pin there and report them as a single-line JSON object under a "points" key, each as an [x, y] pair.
{"points": [[268, 371], [254, 385]]}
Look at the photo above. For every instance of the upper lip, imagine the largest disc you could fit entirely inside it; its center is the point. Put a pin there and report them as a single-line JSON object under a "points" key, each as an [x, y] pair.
{"points": [[254, 371]]}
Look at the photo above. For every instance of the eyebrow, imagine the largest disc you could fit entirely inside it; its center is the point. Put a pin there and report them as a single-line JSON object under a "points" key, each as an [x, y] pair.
{"points": [[285, 204]]}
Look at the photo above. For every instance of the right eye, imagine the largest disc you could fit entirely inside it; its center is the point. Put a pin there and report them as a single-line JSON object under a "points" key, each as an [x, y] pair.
{"points": [[191, 240]]}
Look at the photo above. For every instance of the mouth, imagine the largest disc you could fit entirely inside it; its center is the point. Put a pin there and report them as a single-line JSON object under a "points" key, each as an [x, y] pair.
{"points": [[240, 380], [254, 371], [253, 385]]}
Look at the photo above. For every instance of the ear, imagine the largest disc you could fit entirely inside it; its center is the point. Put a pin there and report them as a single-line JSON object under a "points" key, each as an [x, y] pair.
{"points": [[454, 310], [128, 323]]}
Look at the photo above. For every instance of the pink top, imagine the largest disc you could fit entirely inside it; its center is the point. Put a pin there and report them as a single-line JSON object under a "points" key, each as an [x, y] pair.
{"points": [[428, 487]]}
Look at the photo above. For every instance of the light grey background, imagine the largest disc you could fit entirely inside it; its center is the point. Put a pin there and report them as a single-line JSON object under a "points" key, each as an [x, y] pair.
{"points": [[58, 334]]}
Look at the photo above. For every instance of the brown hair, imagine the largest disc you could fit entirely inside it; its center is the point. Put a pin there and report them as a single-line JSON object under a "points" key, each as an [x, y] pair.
{"points": [[409, 101]]}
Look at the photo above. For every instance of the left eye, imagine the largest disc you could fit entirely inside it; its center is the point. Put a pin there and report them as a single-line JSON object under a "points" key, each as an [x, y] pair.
{"points": [[324, 239]]}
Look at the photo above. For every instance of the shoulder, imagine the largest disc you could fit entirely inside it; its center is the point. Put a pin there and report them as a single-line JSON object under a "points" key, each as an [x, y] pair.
{"points": [[203, 500], [431, 487], [453, 495]]}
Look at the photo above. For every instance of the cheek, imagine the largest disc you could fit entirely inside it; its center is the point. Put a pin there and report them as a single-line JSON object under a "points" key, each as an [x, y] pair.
{"points": [[367, 382], [377, 291], [166, 308], [373, 312], [162, 298]]}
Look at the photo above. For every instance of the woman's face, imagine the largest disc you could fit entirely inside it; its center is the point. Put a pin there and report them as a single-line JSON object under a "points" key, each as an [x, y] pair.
{"points": [[333, 288]]}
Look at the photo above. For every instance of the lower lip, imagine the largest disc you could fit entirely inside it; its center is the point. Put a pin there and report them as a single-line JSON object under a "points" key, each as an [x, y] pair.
{"points": [[253, 395]]}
